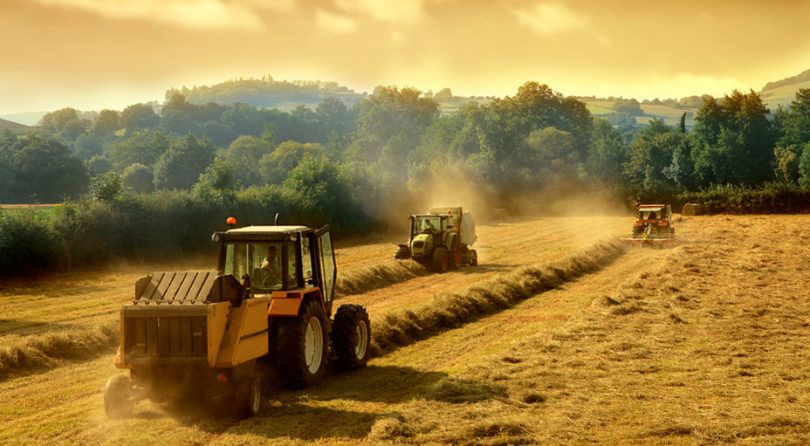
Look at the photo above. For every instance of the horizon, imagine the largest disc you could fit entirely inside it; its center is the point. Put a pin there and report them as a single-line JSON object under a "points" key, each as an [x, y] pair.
{"points": [[92, 55]]}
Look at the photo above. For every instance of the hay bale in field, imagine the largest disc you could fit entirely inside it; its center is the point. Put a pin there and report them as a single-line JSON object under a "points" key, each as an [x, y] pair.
{"points": [[692, 209]]}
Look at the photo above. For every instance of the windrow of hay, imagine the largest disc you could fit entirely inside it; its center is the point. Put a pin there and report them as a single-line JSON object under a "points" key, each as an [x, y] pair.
{"points": [[446, 311], [364, 280], [47, 351]]}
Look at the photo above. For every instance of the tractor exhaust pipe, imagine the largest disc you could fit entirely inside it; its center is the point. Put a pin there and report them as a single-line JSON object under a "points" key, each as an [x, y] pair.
{"points": [[275, 220]]}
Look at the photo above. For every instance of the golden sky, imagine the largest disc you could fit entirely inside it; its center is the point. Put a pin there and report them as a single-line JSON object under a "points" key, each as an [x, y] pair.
{"points": [[92, 54]]}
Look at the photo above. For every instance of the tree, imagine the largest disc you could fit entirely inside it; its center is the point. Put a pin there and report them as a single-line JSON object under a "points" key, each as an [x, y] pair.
{"points": [[276, 166], [651, 156], [56, 121], [217, 182], [44, 170], [804, 165], [244, 155], [139, 117], [628, 107], [795, 123], [106, 123], [106, 187], [98, 165], [787, 163], [142, 147], [390, 125], [180, 167], [139, 178], [443, 95], [551, 158], [608, 154], [316, 188], [734, 141]]}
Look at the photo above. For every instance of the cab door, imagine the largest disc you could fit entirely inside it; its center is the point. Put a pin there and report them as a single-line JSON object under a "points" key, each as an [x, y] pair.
{"points": [[326, 264]]}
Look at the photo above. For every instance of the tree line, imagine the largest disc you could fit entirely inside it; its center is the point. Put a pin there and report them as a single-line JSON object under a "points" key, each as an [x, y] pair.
{"points": [[397, 139]]}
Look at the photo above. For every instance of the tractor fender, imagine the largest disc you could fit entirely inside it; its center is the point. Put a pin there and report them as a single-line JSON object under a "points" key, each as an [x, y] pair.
{"points": [[288, 303]]}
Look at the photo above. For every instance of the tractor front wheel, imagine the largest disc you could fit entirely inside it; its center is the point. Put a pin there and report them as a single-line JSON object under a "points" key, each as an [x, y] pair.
{"points": [[301, 347], [117, 397], [440, 260], [351, 334], [248, 398]]}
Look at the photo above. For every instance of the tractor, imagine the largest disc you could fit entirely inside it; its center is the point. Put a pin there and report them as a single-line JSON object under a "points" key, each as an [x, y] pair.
{"points": [[200, 334], [441, 239], [653, 226]]}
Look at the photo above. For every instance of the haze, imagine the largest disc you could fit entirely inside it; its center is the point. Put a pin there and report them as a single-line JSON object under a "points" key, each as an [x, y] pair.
{"points": [[93, 54]]}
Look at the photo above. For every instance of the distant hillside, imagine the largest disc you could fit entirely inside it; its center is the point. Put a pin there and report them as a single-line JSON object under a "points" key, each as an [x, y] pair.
{"points": [[13, 126], [268, 93], [29, 119], [782, 92]]}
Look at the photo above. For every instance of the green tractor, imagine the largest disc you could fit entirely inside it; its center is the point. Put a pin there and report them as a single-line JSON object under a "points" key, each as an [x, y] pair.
{"points": [[441, 239]]}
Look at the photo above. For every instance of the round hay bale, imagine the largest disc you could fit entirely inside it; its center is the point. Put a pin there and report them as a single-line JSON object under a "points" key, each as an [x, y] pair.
{"points": [[691, 209]]}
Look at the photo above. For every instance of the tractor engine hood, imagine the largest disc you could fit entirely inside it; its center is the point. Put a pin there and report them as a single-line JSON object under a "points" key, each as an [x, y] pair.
{"points": [[421, 244]]}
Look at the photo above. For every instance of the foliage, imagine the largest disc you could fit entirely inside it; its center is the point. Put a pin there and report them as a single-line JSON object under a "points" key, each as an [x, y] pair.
{"points": [[218, 182], [44, 170], [180, 167], [276, 166], [106, 187], [138, 177]]}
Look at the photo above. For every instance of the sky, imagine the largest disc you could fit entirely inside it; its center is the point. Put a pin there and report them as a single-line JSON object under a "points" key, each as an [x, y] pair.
{"points": [[94, 54]]}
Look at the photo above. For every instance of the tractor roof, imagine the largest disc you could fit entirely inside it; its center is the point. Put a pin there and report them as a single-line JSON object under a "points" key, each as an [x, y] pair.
{"points": [[651, 207], [267, 230]]}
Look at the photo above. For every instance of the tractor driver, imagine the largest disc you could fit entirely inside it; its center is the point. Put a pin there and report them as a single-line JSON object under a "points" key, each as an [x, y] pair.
{"points": [[428, 226], [271, 266]]}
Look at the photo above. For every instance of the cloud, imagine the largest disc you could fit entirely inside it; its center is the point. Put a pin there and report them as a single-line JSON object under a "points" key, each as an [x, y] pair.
{"points": [[552, 18], [194, 14], [385, 10], [334, 22]]}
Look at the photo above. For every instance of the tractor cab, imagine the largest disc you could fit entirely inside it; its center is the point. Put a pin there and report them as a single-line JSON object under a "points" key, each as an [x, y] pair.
{"points": [[427, 224], [273, 260]]}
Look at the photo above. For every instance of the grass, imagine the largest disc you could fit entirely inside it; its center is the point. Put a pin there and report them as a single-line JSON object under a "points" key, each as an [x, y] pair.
{"points": [[705, 343], [447, 311]]}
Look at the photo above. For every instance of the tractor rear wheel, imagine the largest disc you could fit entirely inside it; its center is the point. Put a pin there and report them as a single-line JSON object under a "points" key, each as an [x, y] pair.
{"points": [[440, 260], [301, 347], [473, 258], [351, 334], [117, 394]]}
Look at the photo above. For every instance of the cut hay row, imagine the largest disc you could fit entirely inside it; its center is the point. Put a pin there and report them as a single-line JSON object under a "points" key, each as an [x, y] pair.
{"points": [[446, 311], [49, 351], [363, 280]]}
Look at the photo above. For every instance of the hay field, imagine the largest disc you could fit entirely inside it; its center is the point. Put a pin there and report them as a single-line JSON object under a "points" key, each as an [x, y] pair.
{"points": [[705, 343]]}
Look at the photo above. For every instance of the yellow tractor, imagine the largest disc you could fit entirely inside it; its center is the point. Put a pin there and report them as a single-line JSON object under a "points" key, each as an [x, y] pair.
{"points": [[201, 333], [441, 239]]}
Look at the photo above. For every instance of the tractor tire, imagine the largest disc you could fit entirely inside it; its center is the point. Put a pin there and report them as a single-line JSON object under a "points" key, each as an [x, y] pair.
{"points": [[456, 258], [351, 335], [473, 258], [247, 399], [440, 260], [302, 347], [117, 394]]}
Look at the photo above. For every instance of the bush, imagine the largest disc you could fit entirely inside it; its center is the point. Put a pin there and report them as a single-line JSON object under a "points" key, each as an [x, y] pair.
{"points": [[28, 244], [770, 198]]}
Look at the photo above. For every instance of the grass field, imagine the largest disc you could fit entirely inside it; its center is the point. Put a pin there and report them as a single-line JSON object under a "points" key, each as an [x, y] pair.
{"points": [[703, 343], [670, 115]]}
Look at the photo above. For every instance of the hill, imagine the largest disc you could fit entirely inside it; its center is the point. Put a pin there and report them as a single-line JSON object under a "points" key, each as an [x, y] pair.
{"points": [[30, 119], [268, 93], [782, 92], [13, 126]]}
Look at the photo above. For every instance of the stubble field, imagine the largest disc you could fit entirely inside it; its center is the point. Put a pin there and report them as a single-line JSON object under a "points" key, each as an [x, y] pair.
{"points": [[586, 342]]}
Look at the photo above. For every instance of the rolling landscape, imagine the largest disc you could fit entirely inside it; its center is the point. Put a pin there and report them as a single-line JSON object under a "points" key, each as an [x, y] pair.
{"points": [[342, 222]]}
